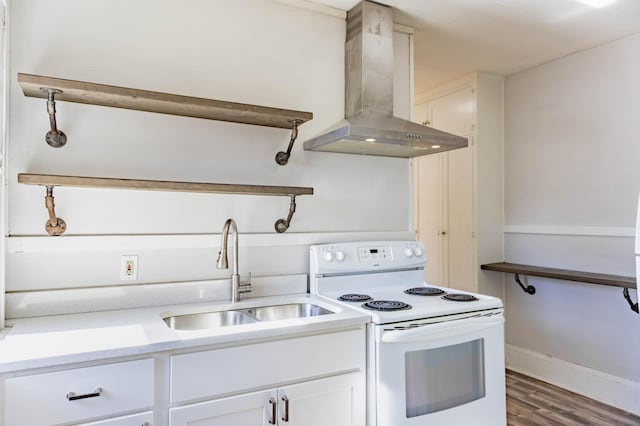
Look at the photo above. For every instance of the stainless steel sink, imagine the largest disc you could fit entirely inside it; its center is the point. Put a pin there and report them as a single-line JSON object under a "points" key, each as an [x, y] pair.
{"points": [[208, 320], [288, 311]]}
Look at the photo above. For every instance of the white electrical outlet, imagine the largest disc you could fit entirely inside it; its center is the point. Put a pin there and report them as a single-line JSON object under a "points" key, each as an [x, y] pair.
{"points": [[128, 268]]}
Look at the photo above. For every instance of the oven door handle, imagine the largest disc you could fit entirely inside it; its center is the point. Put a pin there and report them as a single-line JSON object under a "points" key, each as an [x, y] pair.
{"points": [[441, 329]]}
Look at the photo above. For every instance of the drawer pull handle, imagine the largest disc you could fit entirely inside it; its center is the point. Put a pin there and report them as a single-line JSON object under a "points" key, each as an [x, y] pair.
{"points": [[72, 396], [272, 402], [285, 418]]}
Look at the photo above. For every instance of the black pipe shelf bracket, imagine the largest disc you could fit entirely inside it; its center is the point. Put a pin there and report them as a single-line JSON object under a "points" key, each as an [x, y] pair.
{"points": [[283, 224], [634, 306], [526, 288], [55, 138], [282, 157], [566, 275]]}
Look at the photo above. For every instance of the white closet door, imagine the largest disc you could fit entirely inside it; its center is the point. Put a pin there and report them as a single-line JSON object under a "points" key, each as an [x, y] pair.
{"points": [[431, 216], [461, 247], [446, 195]]}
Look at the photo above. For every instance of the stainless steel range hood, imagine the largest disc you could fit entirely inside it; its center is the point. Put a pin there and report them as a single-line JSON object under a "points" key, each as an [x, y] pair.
{"points": [[370, 127]]}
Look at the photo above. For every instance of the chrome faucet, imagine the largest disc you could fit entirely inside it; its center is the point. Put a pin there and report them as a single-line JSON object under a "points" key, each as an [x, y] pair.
{"points": [[223, 263]]}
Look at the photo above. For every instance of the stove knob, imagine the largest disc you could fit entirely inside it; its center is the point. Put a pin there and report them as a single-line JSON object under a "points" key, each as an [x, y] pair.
{"points": [[339, 256], [328, 256], [417, 251], [408, 252]]}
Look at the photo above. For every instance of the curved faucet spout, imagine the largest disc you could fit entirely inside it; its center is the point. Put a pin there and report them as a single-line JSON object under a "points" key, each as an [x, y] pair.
{"points": [[223, 261]]}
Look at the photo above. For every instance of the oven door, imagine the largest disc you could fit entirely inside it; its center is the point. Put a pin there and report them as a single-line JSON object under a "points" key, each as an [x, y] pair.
{"points": [[449, 373]]}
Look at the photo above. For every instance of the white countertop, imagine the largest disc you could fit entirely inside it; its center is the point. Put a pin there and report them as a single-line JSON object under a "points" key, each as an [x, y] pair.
{"points": [[64, 339]]}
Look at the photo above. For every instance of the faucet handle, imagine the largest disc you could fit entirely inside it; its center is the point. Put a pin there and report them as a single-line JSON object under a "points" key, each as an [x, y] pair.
{"points": [[245, 287]]}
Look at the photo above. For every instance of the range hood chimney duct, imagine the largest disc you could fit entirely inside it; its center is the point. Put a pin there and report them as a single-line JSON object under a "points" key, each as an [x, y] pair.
{"points": [[370, 127]]}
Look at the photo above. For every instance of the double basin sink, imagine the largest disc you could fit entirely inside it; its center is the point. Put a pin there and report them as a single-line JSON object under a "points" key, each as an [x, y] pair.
{"points": [[208, 320]]}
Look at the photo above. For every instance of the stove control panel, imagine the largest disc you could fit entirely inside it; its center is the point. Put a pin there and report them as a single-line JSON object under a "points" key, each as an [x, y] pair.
{"points": [[366, 256], [375, 254]]}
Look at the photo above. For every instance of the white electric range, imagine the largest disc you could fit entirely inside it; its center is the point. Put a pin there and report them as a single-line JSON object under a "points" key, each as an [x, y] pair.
{"points": [[435, 355]]}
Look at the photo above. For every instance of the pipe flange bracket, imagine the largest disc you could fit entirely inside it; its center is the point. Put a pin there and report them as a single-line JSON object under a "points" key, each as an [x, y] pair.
{"points": [[57, 229], [55, 138], [282, 157], [282, 225]]}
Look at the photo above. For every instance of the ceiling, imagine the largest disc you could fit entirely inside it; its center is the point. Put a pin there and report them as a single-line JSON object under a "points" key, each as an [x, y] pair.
{"points": [[456, 37]]}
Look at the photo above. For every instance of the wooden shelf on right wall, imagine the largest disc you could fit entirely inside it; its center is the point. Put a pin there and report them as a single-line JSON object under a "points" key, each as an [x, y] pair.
{"points": [[562, 274], [567, 275]]}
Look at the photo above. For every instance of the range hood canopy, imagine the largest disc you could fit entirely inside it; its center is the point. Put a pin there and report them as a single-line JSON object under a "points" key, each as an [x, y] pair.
{"points": [[370, 127]]}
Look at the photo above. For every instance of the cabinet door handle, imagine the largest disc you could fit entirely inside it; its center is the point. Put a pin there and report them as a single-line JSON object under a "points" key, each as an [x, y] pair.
{"points": [[285, 417], [72, 396], [272, 402]]}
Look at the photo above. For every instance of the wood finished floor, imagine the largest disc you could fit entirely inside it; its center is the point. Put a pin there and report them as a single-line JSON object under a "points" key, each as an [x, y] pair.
{"points": [[532, 402]]}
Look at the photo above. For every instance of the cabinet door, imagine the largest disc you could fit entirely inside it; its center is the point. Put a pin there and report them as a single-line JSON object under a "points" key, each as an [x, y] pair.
{"points": [[335, 401], [253, 409]]}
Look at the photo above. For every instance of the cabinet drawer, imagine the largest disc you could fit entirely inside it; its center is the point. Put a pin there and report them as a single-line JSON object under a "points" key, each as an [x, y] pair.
{"points": [[232, 370], [78, 394], [142, 419]]}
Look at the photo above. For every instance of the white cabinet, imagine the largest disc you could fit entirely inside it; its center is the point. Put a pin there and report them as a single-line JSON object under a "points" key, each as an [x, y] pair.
{"points": [[245, 385], [316, 378], [335, 401], [80, 394], [459, 208]]}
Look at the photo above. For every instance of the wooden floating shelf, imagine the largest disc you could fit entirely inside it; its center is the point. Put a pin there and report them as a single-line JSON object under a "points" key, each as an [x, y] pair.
{"points": [[562, 274], [56, 226], [164, 103], [158, 185]]}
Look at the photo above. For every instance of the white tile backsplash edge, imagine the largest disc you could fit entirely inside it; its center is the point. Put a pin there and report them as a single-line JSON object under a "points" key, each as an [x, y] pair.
{"points": [[43, 244], [59, 302]]}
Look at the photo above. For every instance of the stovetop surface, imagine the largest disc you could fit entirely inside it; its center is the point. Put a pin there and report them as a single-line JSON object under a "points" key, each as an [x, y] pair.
{"points": [[391, 286]]}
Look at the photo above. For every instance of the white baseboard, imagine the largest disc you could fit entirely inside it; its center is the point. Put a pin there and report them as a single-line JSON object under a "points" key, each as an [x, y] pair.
{"points": [[603, 387]]}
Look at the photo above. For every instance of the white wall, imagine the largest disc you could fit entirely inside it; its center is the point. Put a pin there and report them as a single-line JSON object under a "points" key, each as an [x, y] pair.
{"points": [[3, 204], [250, 51], [571, 168]]}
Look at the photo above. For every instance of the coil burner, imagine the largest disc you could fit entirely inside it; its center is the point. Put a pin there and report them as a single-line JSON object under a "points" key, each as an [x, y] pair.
{"points": [[355, 297], [456, 297], [424, 291], [386, 305]]}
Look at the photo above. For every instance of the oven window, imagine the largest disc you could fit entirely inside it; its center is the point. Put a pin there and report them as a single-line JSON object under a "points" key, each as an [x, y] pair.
{"points": [[442, 378]]}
